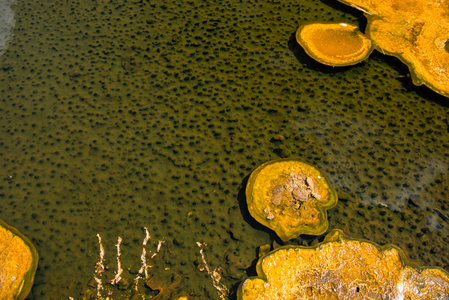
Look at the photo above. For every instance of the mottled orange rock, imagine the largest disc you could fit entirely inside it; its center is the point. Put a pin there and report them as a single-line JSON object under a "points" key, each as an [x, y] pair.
{"points": [[334, 44], [163, 286], [290, 197], [18, 263], [342, 268]]}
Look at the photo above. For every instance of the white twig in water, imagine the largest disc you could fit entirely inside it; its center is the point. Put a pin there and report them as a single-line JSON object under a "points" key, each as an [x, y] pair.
{"points": [[99, 268], [215, 274], [100, 265], [143, 258], [117, 277], [158, 248]]}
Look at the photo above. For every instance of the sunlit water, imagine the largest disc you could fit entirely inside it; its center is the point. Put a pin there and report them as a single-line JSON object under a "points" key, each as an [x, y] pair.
{"points": [[121, 115], [6, 22]]}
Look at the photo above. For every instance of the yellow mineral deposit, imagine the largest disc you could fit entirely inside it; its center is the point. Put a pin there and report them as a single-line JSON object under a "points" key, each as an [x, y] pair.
{"points": [[342, 268], [334, 44], [415, 31], [290, 197], [18, 263]]}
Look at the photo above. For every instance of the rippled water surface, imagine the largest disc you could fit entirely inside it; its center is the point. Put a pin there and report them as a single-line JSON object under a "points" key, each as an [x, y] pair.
{"points": [[118, 116]]}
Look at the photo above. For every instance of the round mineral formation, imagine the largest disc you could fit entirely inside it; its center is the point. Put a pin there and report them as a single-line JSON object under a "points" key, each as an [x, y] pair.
{"points": [[334, 44], [342, 268], [18, 263], [414, 31], [290, 197]]}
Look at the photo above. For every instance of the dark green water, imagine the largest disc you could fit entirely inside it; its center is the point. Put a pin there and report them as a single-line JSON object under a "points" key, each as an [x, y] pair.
{"points": [[120, 115]]}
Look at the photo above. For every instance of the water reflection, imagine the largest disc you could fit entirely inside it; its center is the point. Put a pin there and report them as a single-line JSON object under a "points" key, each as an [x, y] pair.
{"points": [[7, 22]]}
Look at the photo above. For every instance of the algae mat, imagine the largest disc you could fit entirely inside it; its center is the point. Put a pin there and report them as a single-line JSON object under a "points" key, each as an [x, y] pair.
{"points": [[124, 115]]}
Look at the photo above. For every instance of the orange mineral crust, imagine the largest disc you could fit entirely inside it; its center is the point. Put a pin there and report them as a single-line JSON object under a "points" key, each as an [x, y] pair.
{"points": [[334, 44], [342, 268], [18, 263], [415, 31], [290, 197]]}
